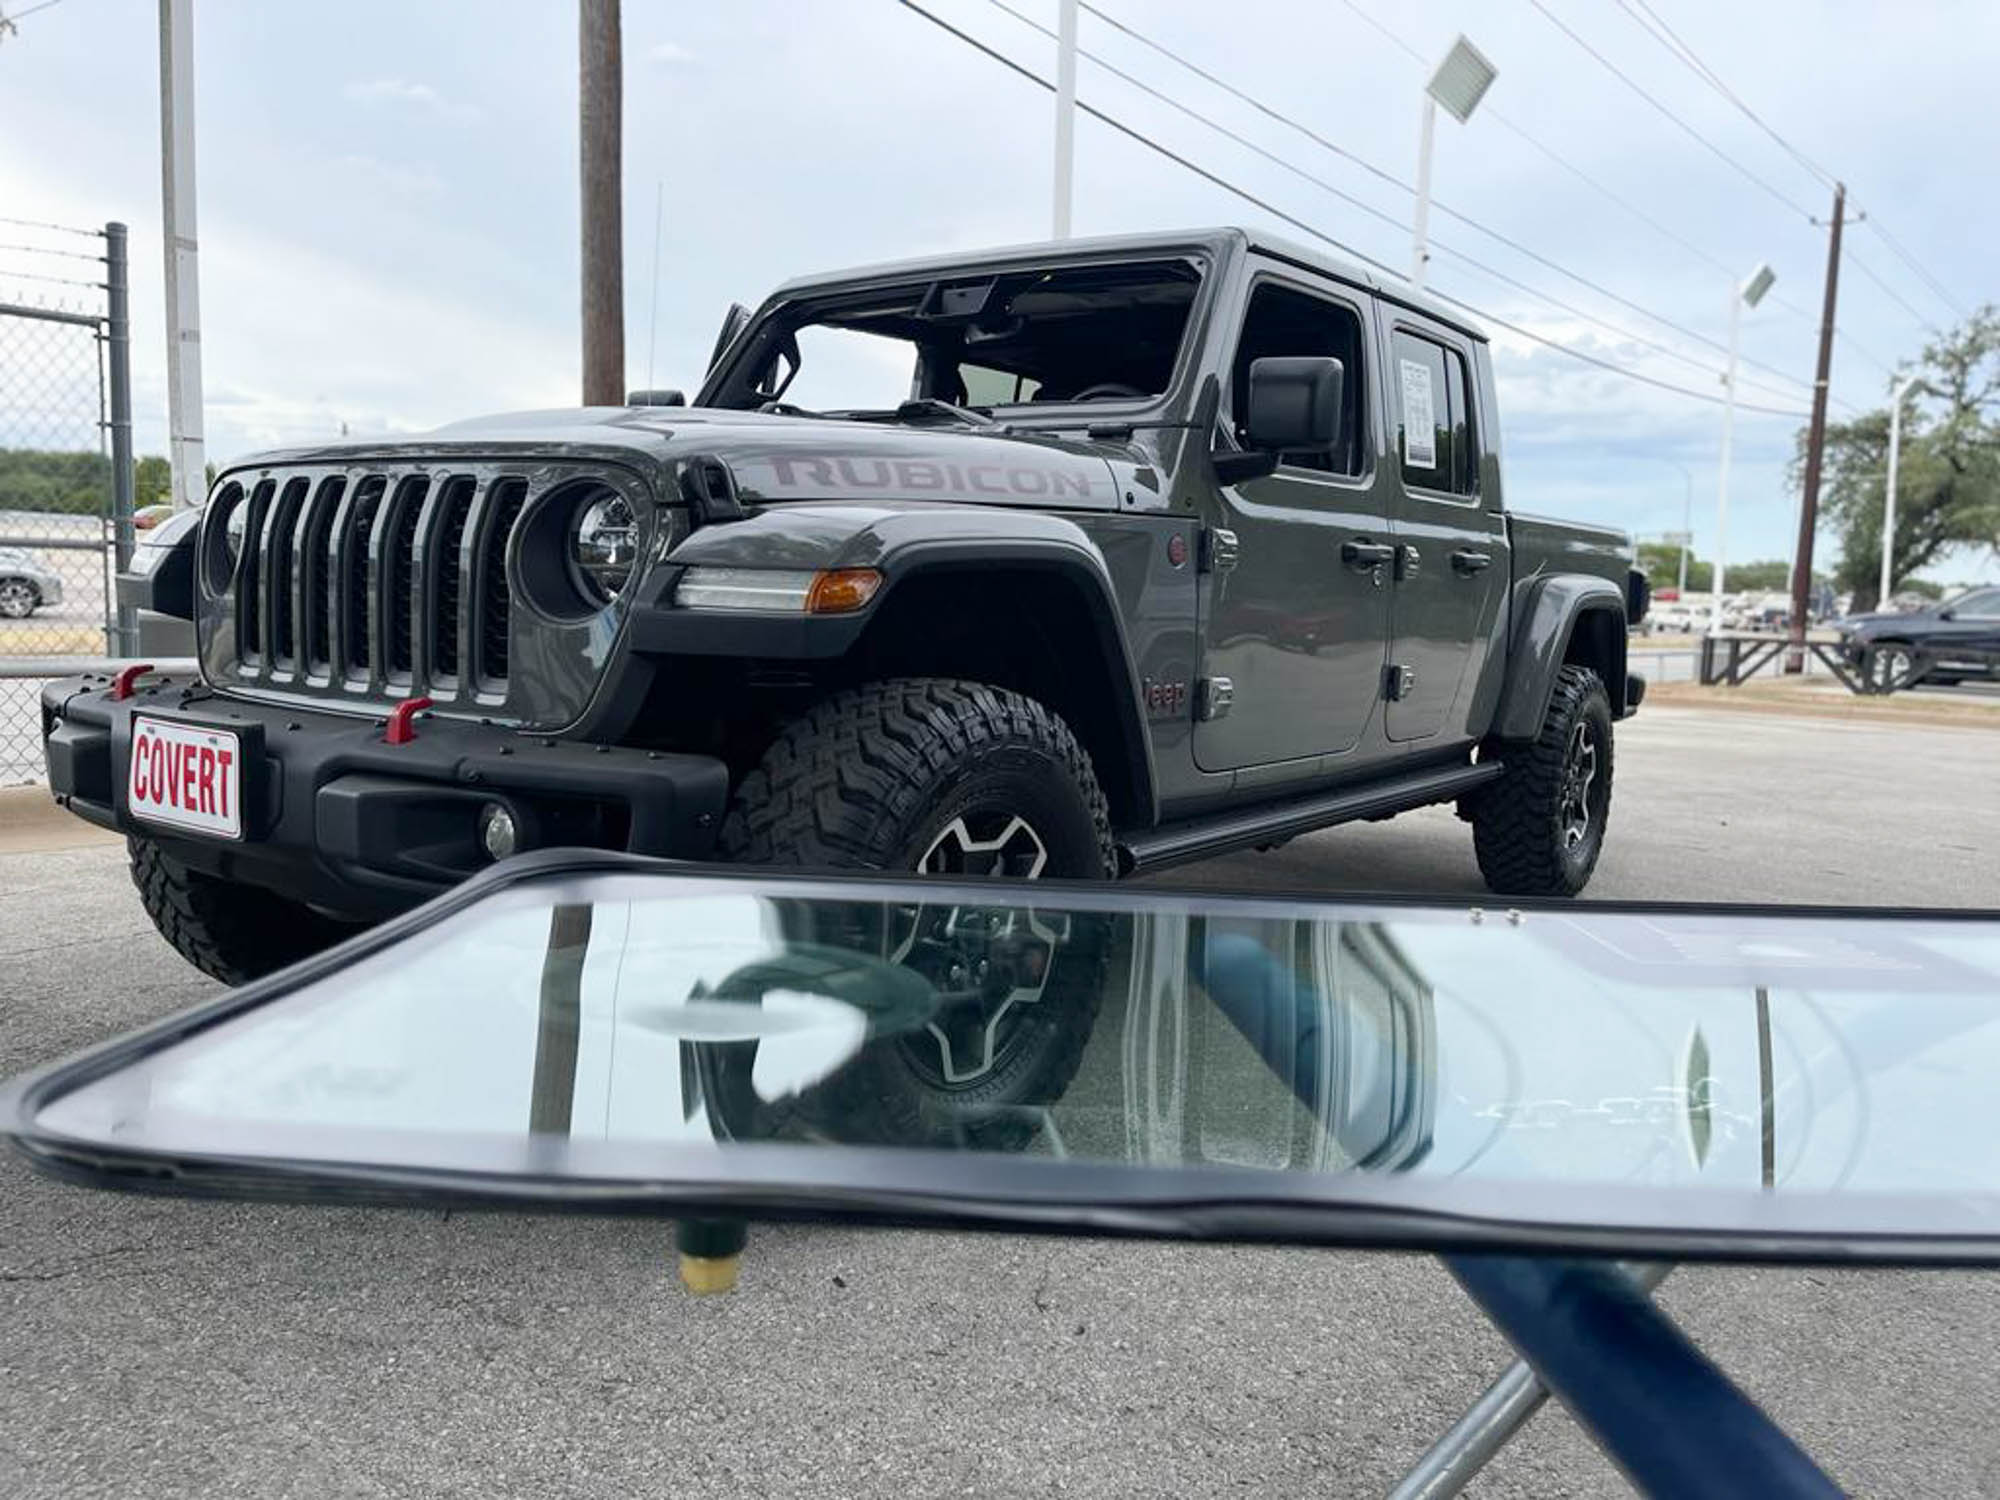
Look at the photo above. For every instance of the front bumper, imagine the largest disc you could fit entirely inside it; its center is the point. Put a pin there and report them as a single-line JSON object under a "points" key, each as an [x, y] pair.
{"points": [[336, 817], [50, 588]]}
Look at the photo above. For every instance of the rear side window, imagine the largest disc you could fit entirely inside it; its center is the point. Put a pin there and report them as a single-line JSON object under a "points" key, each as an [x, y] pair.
{"points": [[1433, 399]]}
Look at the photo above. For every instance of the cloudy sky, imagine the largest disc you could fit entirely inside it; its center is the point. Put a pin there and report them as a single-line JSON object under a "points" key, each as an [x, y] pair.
{"points": [[388, 191]]}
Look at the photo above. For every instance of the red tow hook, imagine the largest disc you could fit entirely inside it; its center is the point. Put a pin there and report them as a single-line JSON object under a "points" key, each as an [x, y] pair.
{"points": [[400, 729], [121, 685]]}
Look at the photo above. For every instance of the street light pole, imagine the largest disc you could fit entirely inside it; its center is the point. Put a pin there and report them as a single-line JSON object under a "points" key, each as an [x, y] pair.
{"points": [[1751, 293], [1459, 83], [1065, 115], [1903, 388], [1420, 223], [1687, 523]]}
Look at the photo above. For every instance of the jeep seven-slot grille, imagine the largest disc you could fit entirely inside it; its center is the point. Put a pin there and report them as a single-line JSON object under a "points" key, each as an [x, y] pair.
{"points": [[381, 583]]}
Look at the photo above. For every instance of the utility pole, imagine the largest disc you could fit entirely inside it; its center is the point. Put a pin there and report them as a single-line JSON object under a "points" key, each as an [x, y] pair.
{"points": [[184, 427], [601, 106], [1065, 116], [1815, 441]]}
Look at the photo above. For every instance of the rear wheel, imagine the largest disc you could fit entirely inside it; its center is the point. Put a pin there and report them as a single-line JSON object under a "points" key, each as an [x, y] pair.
{"points": [[235, 933], [1539, 829], [953, 779]]}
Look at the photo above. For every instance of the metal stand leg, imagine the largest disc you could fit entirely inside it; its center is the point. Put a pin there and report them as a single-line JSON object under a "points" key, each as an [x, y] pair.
{"points": [[1500, 1412]]}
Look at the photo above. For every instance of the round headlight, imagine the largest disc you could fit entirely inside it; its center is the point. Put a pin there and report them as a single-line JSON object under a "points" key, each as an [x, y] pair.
{"points": [[604, 542]]}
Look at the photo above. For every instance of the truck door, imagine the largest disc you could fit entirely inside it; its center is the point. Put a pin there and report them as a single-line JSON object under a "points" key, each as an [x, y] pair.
{"points": [[1295, 632], [1451, 543]]}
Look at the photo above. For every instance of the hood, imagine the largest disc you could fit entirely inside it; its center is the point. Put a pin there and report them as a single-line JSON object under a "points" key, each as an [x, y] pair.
{"points": [[1878, 619], [779, 458]]}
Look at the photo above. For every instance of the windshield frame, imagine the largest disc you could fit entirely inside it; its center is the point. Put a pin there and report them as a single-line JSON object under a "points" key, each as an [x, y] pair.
{"points": [[893, 1185], [780, 315]]}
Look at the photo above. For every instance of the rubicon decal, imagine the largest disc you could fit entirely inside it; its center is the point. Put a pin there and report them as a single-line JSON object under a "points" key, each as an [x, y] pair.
{"points": [[934, 478]]}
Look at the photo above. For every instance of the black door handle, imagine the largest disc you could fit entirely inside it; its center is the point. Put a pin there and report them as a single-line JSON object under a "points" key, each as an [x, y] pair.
{"points": [[1469, 562], [1359, 552]]}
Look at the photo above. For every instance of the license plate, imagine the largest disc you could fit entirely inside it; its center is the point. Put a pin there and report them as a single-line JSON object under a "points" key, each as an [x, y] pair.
{"points": [[186, 776]]}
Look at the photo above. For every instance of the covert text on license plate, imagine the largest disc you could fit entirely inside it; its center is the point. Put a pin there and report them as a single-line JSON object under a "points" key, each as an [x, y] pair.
{"points": [[186, 776]]}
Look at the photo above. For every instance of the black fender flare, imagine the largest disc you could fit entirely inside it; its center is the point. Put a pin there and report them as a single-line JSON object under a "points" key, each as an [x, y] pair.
{"points": [[1017, 540], [1546, 612], [1081, 566]]}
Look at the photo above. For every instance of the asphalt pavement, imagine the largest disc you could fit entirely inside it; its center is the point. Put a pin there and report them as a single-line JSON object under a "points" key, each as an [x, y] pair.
{"points": [[165, 1348]]}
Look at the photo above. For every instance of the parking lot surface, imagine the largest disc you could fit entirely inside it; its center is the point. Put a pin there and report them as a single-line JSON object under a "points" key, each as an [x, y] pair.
{"points": [[168, 1348]]}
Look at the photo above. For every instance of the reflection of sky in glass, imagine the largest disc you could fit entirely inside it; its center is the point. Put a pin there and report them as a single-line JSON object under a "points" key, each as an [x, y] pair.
{"points": [[1575, 1048]]}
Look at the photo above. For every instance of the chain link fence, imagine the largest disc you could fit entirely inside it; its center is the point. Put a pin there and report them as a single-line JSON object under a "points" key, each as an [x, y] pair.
{"points": [[57, 475]]}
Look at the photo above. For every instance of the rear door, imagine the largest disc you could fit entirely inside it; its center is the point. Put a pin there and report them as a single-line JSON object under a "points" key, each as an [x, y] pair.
{"points": [[1450, 572], [1297, 619]]}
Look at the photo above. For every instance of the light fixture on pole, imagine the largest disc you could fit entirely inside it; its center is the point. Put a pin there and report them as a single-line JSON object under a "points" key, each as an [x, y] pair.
{"points": [[1459, 83], [1903, 388], [1750, 293]]}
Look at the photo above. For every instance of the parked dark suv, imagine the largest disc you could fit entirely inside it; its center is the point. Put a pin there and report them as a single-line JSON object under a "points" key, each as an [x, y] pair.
{"points": [[1945, 644]]}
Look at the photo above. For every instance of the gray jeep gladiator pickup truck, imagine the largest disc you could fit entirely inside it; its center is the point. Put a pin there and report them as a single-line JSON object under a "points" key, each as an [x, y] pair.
{"points": [[1071, 560]]}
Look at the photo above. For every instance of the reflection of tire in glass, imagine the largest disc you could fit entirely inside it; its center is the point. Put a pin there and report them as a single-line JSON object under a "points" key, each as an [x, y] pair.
{"points": [[950, 971], [950, 778]]}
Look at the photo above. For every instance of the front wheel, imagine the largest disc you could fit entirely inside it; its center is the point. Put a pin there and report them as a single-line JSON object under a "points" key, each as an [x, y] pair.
{"points": [[18, 598], [1539, 829], [235, 933], [946, 778]]}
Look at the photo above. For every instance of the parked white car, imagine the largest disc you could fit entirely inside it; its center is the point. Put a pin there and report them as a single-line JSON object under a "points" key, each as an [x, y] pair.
{"points": [[26, 584]]}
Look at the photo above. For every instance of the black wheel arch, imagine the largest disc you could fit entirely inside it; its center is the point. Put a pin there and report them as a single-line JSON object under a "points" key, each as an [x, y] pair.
{"points": [[1038, 618], [1563, 619]]}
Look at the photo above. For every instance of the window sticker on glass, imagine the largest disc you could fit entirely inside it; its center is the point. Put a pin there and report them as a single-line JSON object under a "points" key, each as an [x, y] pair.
{"points": [[1419, 416]]}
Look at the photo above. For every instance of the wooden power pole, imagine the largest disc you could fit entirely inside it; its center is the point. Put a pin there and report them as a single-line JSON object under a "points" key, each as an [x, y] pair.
{"points": [[601, 101], [1815, 441]]}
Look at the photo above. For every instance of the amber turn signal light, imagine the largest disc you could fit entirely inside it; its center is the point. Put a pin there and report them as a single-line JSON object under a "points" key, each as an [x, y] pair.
{"points": [[841, 591]]}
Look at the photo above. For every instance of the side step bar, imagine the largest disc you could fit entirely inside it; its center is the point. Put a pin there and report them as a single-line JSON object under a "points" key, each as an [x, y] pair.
{"points": [[1220, 833]]}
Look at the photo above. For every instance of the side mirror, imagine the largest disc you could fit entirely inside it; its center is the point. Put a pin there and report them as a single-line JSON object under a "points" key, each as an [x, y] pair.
{"points": [[655, 398], [1947, 614], [1295, 404], [1294, 407], [733, 322]]}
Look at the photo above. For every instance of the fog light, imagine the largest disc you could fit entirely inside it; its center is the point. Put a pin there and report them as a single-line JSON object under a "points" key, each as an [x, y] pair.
{"points": [[497, 834]]}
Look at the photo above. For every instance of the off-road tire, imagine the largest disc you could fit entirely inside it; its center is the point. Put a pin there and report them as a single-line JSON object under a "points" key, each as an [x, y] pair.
{"points": [[1517, 823], [866, 780], [235, 933]]}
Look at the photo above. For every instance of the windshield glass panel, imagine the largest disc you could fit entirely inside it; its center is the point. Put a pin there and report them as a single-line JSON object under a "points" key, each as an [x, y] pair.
{"points": [[1070, 333], [1802, 1057]]}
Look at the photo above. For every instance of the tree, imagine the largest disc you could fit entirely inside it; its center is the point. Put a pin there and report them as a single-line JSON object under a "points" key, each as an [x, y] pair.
{"points": [[152, 481], [1760, 577], [1948, 476], [1661, 563]]}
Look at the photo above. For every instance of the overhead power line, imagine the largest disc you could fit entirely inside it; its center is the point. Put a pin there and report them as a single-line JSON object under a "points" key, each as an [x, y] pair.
{"points": [[1656, 26], [1888, 291], [1651, 22], [1937, 287], [1216, 179], [1625, 78], [1665, 231], [1292, 123]]}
